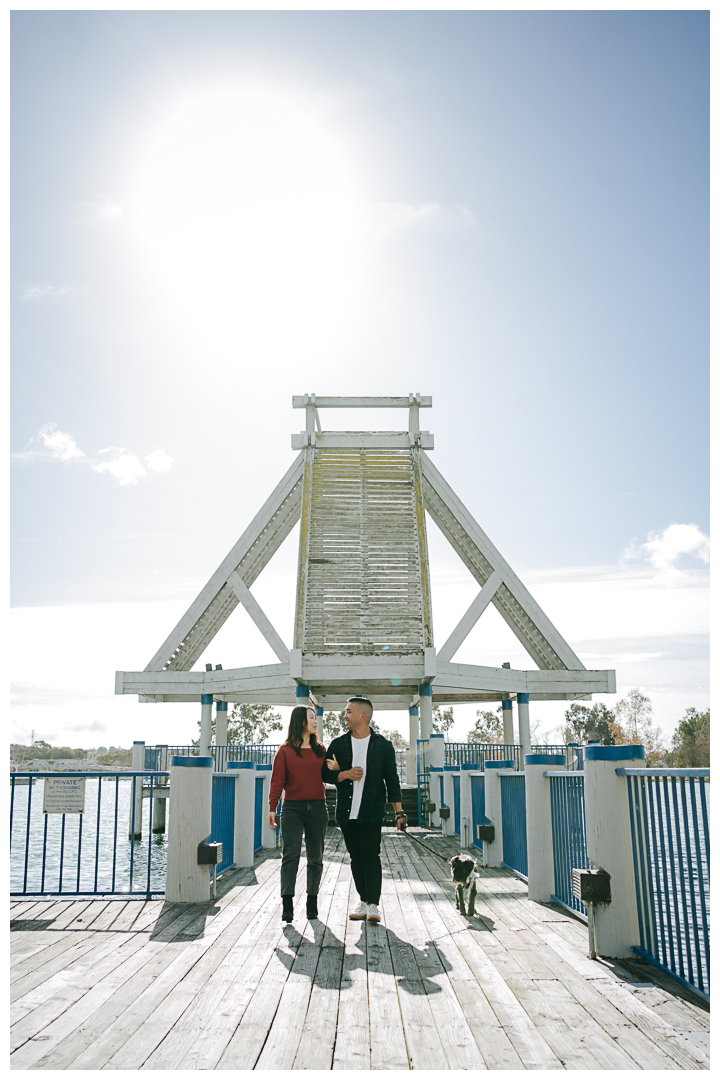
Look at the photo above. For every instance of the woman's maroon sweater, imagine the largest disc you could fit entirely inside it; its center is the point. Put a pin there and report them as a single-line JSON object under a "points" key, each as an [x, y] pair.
{"points": [[300, 777]]}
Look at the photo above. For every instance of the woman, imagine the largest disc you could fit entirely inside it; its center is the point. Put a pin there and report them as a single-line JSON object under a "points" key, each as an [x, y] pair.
{"points": [[297, 770]]}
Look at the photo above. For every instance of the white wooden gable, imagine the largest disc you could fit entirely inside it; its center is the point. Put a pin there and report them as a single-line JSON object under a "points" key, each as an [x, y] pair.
{"points": [[363, 612]]}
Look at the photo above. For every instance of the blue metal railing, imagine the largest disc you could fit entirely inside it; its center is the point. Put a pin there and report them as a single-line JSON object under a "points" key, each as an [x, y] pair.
{"points": [[514, 828], [223, 818], [669, 818], [260, 753], [472, 753], [477, 803], [567, 805], [87, 854]]}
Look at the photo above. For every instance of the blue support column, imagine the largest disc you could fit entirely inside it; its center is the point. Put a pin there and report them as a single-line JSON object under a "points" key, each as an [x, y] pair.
{"points": [[411, 759], [507, 713]]}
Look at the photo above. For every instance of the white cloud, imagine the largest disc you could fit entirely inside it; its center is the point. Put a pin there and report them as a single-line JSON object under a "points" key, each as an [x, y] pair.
{"points": [[159, 461], [51, 442], [663, 549], [40, 292], [124, 466]]}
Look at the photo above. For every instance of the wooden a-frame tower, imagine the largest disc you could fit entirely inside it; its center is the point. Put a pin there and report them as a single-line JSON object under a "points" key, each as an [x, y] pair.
{"points": [[363, 616]]}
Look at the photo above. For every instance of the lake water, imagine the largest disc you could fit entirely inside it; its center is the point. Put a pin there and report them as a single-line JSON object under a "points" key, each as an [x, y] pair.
{"points": [[108, 860]]}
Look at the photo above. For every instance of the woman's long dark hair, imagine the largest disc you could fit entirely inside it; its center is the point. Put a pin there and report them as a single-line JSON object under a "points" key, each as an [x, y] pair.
{"points": [[296, 731]]}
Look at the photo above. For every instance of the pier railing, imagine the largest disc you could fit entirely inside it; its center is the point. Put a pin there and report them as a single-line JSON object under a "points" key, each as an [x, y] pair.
{"points": [[472, 753], [514, 822], [103, 851], [567, 806], [669, 815]]}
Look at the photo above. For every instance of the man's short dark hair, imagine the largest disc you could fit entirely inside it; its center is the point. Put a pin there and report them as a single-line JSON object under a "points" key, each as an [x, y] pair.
{"points": [[363, 701]]}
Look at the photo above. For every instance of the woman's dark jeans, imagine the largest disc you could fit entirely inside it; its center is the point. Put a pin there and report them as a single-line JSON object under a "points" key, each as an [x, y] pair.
{"points": [[310, 816]]}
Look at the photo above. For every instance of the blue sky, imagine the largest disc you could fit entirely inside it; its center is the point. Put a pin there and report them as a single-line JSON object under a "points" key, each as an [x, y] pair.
{"points": [[215, 210]]}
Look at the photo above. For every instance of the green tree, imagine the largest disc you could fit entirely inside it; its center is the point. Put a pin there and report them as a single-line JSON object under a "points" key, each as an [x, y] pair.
{"points": [[691, 741], [632, 723], [248, 724], [442, 720], [333, 725], [398, 740], [488, 727], [583, 723]]}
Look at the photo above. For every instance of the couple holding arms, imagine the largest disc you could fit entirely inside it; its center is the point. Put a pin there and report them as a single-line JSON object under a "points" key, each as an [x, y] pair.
{"points": [[361, 764]]}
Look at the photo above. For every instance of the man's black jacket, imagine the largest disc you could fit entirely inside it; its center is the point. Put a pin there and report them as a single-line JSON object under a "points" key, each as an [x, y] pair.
{"points": [[381, 779]]}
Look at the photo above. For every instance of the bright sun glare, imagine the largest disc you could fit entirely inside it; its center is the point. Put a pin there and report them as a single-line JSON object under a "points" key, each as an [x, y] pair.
{"points": [[245, 201]]}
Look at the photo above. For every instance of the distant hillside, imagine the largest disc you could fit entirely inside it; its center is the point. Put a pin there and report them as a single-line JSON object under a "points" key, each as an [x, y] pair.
{"points": [[44, 752]]}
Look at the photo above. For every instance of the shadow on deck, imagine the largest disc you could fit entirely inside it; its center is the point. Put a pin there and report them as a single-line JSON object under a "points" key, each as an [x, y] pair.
{"points": [[145, 984]]}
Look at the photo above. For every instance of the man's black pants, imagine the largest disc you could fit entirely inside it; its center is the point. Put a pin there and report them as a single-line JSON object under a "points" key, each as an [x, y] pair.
{"points": [[363, 844]]}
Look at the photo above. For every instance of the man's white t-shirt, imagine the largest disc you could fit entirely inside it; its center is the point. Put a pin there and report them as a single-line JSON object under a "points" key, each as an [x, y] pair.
{"points": [[359, 757]]}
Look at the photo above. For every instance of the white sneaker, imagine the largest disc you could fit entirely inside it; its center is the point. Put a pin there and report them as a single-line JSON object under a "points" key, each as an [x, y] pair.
{"points": [[360, 911], [373, 915]]}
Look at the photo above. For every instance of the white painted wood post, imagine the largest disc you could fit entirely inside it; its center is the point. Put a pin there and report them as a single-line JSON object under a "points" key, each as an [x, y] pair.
{"points": [[244, 812], [541, 864], [435, 774], [268, 835], [206, 702], [425, 692], [466, 824], [507, 716], [319, 711], [190, 824], [493, 852], [609, 844], [448, 826], [436, 760], [411, 757], [136, 788], [523, 701], [221, 726]]}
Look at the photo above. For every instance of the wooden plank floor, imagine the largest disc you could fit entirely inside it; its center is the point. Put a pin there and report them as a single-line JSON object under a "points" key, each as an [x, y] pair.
{"points": [[133, 984]]}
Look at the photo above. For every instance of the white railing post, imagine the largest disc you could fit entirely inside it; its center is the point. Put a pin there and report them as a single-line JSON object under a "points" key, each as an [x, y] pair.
{"points": [[189, 825], [135, 812], [466, 822], [450, 771], [541, 863], [411, 756], [493, 851], [268, 835], [319, 712], [435, 788], [244, 812], [609, 845], [435, 760]]}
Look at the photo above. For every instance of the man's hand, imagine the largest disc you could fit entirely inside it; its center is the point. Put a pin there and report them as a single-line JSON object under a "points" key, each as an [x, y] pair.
{"points": [[352, 774], [271, 820], [401, 823]]}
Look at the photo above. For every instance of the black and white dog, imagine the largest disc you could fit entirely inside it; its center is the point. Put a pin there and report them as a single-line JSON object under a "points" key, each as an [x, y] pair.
{"points": [[465, 882]]}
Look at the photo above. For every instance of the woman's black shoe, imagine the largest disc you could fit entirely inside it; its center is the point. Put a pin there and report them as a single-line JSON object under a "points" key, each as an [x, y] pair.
{"points": [[312, 911], [287, 913]]}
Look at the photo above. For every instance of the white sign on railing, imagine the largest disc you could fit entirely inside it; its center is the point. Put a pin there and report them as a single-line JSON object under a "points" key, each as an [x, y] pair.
{"points": [[64, 795]]}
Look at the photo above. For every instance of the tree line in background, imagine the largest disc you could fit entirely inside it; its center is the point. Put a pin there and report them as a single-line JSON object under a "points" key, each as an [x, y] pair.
{"points": [[630, 721]]}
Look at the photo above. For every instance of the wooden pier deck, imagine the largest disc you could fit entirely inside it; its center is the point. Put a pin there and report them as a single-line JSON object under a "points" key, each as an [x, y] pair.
{"points": [[225, 985]]}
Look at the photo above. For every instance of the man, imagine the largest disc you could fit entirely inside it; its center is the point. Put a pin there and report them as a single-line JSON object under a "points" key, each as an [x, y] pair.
{"points": [[361, 764]]}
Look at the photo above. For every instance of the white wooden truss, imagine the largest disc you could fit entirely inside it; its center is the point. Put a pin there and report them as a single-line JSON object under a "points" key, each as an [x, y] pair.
{"points": [[363, 618]]}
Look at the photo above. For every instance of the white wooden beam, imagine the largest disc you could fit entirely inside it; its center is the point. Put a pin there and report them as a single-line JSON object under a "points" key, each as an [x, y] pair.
{"points": [[301, 401], [511, 599], [378, 440], [259, 617], [470, 617], [218, 581]]}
